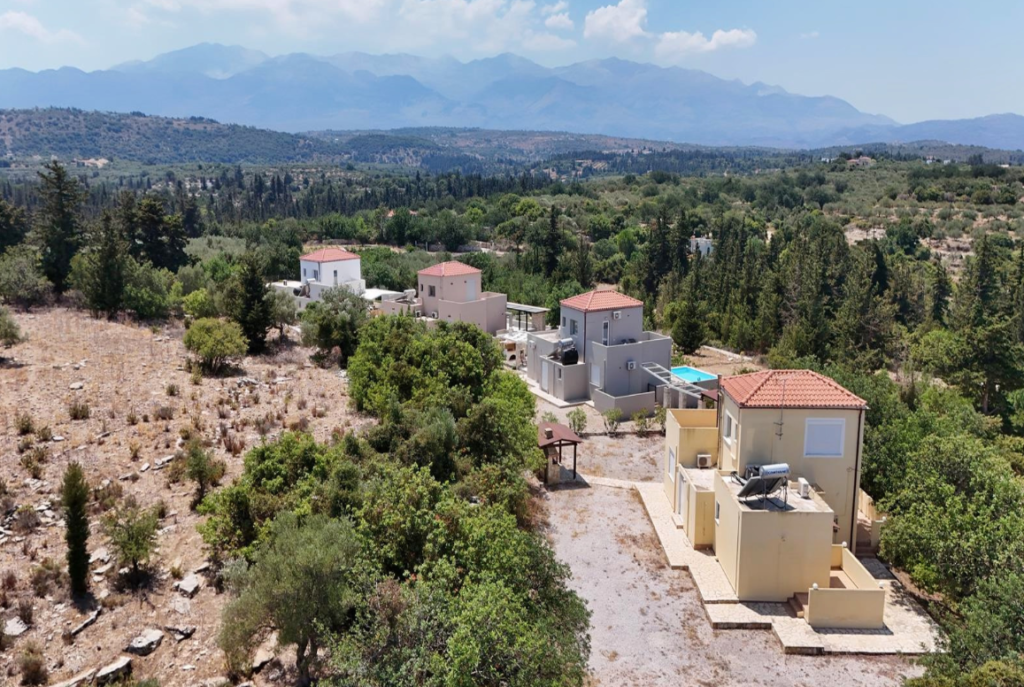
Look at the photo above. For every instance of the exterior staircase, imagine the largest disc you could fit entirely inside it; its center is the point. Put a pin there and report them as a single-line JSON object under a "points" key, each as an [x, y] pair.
{"points": [[798, 602]]}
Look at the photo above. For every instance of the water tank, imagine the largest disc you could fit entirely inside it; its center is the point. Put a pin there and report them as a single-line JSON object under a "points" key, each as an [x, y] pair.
{"points": [[774, 470], [570, 356]]}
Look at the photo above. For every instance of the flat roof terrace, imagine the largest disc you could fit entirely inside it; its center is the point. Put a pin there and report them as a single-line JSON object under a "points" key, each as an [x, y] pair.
{"points": [[777, 503]]}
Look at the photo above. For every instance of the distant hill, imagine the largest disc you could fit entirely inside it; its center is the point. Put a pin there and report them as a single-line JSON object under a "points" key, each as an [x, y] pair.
{"points": [[71, 134], [74, 134]]}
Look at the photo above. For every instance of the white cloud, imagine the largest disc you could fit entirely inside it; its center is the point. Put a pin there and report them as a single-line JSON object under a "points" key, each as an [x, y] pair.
{"points": [[675, 44], [809, 35], [28, 25], [559, 22], [557, 8], [617, 23], [484, 26], [547, 42]]}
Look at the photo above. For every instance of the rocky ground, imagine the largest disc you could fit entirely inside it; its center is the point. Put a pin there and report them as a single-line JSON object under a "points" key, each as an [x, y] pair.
{"points": [[129, 376]]}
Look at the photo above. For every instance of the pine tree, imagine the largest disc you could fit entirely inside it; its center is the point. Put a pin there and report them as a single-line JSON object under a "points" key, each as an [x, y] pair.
{"points": [[58, 225], [101, 274], [940, 291], [13, 226], [583, 261], [552, 243], [250, 308], [75, 501]]}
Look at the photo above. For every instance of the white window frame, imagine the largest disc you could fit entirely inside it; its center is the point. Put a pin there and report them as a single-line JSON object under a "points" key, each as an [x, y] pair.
{"points": [[574, 327], [432, 290], [730, 427], [826, 422], [606, 332], [672, 464]]}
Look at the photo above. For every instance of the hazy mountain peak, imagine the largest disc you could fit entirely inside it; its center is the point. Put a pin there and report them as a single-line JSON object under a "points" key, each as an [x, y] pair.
{"points": [[214, 60]]}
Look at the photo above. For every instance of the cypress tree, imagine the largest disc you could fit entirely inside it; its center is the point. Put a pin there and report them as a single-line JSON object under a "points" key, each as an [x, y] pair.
{"points": [[250, 308], [58, 226], [102, 273], [74, 496]]}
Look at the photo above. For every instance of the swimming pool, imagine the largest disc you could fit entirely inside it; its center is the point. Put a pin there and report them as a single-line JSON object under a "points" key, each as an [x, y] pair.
{"points": [[692, 374]]}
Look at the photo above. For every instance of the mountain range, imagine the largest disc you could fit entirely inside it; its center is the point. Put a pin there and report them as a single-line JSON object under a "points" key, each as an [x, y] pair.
{"points": [[302, 92]]}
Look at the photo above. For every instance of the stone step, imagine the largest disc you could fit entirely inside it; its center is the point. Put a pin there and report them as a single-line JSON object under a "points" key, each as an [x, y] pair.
{"points": [[798, 602]]}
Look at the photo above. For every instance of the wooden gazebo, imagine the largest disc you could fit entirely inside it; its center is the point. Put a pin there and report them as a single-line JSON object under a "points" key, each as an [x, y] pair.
{"points": [[552, 438]]}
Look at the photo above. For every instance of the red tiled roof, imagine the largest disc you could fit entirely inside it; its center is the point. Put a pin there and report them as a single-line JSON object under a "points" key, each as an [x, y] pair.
{"points": [[329, 255], [451, 268], [593, 301], [789, 389]]}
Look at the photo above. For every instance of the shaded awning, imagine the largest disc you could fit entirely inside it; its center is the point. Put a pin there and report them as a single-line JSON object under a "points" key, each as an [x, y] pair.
{"points": [[554, 434]]}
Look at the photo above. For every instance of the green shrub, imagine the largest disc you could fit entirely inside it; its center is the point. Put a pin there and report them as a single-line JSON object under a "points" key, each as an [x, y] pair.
{"points": [[577, 420], [23, 423], [10, 333], [641, 422], [215, 343], [32, 664], [612, 418], [132, 533]]}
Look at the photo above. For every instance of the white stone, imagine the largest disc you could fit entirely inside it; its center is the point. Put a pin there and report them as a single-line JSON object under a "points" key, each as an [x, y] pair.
{"points": [[113, 672], [14, 627], [76, 386], [189, 585], [146, 643]]}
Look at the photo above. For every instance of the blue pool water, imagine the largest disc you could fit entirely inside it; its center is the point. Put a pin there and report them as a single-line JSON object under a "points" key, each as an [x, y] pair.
{"points": [[691, 374]]}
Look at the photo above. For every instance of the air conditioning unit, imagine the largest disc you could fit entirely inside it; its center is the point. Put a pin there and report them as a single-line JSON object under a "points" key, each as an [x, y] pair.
{"points": [[617, 315], [630, 365], [703, 461], [805, 488], [433, 315]]}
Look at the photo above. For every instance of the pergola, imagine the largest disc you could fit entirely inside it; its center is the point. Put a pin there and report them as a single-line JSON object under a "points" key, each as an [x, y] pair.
{"points": [[552, 436]]}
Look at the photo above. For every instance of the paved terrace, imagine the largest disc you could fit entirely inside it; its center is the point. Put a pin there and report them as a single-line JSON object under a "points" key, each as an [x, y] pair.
{"points": [[908, 629]]}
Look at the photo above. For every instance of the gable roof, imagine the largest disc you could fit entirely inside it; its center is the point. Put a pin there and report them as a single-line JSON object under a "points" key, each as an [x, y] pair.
{"points": [[329, 255], [789, 389], [594, 301], [452, 268]]}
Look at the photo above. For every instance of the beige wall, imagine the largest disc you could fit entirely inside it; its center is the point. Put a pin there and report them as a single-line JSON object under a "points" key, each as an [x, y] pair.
{"points": [[861, 609], [687, 433], [700, 517], [768, 555], [757, 443]]}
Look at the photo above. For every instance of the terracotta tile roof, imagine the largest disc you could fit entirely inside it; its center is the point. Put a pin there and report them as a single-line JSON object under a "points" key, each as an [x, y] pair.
{"points": [[329, 255], [789, 389], [451, 268], [593, 301]]}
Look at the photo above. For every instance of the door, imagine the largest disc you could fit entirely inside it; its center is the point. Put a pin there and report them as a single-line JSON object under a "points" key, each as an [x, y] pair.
{"points": [[681, 494], [604, 333], [545, 372], [471, 289]]}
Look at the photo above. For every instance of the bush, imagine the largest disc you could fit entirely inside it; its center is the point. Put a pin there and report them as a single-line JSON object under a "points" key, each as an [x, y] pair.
{"points": [[612, 418], [578, 420], [148, 290], [215, 343], [22, 283], [172, 390], [199, 305], [334, 322], [132, 533], [660, 416], [641, 422], [32, 664], [23, 423], [79, 410], [10, 333], [202, 468]]}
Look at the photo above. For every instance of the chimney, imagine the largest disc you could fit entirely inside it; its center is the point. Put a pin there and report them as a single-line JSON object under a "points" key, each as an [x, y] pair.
{"points": [[549, 433]]}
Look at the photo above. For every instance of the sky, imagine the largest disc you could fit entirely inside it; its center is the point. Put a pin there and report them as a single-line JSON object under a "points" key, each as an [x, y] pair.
{"points": [[908, 59]]}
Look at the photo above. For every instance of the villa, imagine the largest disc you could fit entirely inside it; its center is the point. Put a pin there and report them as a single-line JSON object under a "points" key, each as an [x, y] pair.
{"points": [[451, 292], [768, 482], [323, 269], [600, 353]]}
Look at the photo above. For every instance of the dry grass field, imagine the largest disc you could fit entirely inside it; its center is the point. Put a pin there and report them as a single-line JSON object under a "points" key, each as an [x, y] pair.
{"points": [[141, 403]]}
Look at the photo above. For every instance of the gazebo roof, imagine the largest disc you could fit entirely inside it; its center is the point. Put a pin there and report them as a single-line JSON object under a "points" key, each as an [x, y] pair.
{"points": [[560, 434]]}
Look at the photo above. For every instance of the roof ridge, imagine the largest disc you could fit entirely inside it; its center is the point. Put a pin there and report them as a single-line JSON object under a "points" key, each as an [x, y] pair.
{"points": [[766, 375]]}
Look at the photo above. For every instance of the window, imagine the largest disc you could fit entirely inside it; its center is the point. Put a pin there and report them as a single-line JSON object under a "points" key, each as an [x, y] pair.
{"points": [[823, 437], [730, 428], [718, 511], [303, 272], [563, 321], [604, 333], [558, 373], [672, 464], [316, 275], [573, 328], [335, 277], [421, 288], [595, 375], [433, 292]]}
